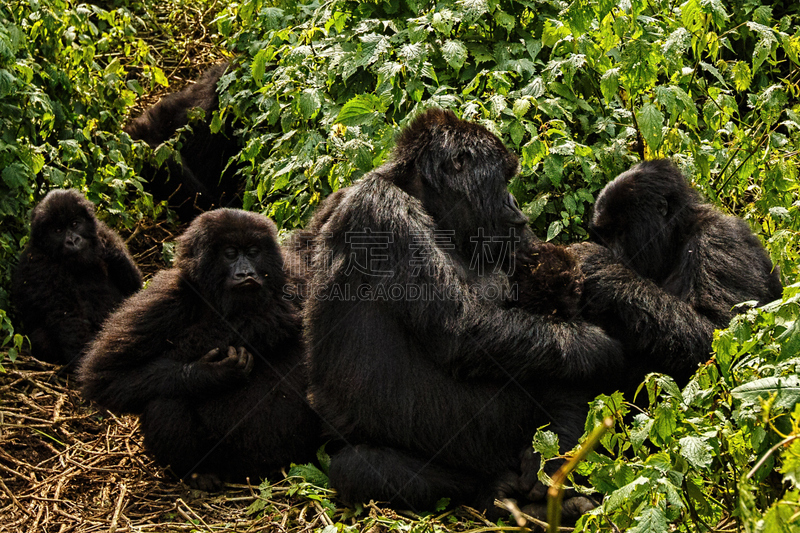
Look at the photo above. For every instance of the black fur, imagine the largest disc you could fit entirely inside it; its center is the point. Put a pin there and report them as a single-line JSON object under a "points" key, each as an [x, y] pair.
{"points": [[547, 280], [670, 272], [74, 271], [435, 397], [200, 182], [210, 356]]}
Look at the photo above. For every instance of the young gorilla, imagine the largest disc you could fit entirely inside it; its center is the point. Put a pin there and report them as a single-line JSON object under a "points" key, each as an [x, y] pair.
{"points": [[73, 273], [670, 271], [200, 182], [435, 394], [548, 281], [210, 356]]}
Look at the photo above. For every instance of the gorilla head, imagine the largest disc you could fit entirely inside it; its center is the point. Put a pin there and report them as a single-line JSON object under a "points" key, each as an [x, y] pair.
{"points": [[63, 226], [460, 173], [232, 256], [643, 216]]}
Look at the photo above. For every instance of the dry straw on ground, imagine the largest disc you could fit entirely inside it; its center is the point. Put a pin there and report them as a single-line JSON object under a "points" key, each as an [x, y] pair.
{"points": [[65, 466]]}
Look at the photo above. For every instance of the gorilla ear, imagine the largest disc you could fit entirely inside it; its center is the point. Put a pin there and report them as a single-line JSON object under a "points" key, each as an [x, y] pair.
{"points": [[663, 206]]}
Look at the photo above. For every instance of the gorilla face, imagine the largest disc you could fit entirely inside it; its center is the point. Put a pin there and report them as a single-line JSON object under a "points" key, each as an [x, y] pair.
{"points": [[63, 225]]}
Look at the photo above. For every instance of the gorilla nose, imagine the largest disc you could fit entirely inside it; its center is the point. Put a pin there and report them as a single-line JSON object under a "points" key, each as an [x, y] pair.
{"points": [[73, 242]]}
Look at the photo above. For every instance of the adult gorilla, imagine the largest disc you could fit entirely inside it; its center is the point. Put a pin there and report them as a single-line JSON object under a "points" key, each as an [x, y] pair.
{"points": [[670, 271], [203, 180], [433, 386]]}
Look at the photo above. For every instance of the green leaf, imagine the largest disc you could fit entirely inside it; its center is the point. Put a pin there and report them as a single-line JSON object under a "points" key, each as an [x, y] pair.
{"points": [[609, 84], [310, 101], [517, 132], [546, 443], [790, 467], [696, 451], [473, 9], [310, 473], [650, 120], [6, 83], [521, 106], [259, 67], [786, 389], [455, 53], [361, 109], [555, 228], [651, 520]]}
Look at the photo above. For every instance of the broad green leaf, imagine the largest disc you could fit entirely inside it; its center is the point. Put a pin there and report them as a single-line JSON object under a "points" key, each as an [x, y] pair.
{"points": [[609, 84], [546, 443], [360, 109], [455, 53], [310, 474], [259, 67], [696, 451], [521, 106], [786, 388], [310, 101], [651, 520], [650, 120], [516, 131]]}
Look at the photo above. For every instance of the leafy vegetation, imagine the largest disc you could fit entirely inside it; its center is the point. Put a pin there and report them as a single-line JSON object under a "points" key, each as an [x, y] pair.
{"points": [[579, 89]]}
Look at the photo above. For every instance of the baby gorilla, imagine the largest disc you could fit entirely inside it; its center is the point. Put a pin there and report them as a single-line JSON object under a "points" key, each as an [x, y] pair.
{"points": [[547, 280], [210, 356], [73, 273]]}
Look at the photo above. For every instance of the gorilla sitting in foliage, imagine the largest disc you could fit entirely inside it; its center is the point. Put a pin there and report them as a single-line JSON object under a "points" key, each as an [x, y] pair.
{"points": [[74, 271], [433, 386], [200, 182], [210, 356], [670, 270]]}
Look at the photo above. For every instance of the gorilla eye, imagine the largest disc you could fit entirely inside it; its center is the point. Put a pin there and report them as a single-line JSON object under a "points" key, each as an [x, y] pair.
{"points": [[230, 252], [253, 252], [59, 230], [75, 223]]}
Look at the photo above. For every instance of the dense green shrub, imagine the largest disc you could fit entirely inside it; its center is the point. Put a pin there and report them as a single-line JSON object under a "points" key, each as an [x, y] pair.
{"points": [[63, 95], [579, 89]]}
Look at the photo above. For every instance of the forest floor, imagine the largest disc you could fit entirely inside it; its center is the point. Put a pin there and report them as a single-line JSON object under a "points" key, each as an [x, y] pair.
{"points": [[65, 466]]}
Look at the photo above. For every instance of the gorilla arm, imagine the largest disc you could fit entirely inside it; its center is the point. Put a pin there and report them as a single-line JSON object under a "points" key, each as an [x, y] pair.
{"points": [[644, 316], [460, 331], [121, 269], [132, 361]]}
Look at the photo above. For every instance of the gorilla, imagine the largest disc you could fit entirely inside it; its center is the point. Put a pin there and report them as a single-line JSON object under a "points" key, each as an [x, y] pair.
{"points": [[547, 280], [200, 182], [74, 271], [432, 387], [209, 356], [666, 270]]}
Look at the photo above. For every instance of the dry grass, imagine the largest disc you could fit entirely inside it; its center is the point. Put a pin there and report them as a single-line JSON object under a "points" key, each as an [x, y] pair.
{"points": [[65, 466]]}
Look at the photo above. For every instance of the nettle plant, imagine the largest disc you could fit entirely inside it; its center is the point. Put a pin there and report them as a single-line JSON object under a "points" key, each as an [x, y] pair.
{"points": [[723, 453], [63, 93], [580, 90]]}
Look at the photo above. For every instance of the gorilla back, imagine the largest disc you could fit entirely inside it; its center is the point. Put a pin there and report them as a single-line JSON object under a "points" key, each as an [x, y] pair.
{"points": [[201, 181], [210, 357], [437, 392], [73, 273]]}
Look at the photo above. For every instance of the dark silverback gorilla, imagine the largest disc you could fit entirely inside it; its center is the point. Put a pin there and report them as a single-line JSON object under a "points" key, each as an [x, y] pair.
{"points": [[210, 356], [73, 273], [669, 272], [432, 385], [200, 182]]}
